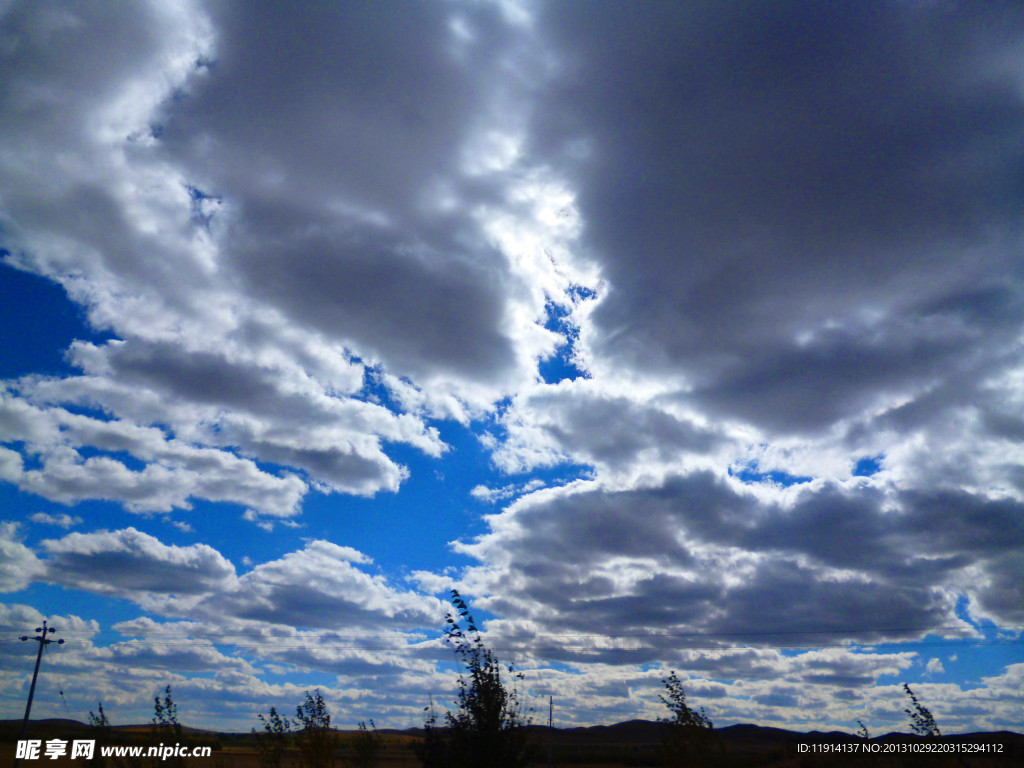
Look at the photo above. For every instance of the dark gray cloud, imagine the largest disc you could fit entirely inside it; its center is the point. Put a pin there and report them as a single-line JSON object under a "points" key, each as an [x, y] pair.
{"points": [[777, 700], [1003, 595], [336, 97], [416, 308], [804, 210], [330, 151], [696, 555], [194, 376]]}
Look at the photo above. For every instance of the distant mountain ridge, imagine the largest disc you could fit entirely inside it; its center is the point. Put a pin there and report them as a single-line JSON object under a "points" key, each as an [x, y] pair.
{"points": [[744, 737]]}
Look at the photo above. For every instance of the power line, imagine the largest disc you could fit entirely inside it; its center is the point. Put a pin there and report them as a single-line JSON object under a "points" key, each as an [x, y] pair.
{"points": [[594, 649], [331, 636], [547, 643]]}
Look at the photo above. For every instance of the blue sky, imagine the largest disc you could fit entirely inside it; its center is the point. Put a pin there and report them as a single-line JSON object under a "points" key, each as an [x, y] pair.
{"points": [[675, 336]]}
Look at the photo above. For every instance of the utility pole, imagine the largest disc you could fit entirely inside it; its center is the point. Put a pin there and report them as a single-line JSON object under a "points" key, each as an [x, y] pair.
{"points": [[43, 641], [551, 725]]}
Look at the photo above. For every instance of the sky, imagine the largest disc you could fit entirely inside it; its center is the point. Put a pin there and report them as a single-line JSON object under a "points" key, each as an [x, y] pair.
{"points": [[674, 336]]}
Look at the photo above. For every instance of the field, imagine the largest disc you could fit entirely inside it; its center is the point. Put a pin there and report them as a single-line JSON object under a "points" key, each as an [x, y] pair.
{"points": [[625, 745]]}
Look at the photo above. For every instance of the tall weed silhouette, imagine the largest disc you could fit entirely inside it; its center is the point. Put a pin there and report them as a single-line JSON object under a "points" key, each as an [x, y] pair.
{"points": [[688, 735], [486, 730]]}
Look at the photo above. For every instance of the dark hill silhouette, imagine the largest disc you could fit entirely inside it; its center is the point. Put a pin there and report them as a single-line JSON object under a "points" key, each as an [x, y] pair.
{"points": [[746, 742]]}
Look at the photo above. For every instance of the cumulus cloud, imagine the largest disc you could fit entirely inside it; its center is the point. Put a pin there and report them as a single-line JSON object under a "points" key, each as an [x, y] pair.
{"points": [[701, 554], [133, 564], [494, 495], [595, 424], [226, 335], [174, 469], [318, 586], [311, 611], [70, 623], [20, 565]]}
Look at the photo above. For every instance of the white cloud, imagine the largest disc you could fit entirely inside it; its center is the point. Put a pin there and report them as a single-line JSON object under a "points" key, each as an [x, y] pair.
{"points": [[318, 586], [19, 619], [174, 470], [62, 520], [494, 495], [132, 564], [19, 565]]}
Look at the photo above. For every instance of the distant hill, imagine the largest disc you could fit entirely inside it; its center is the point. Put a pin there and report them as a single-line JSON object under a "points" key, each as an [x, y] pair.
{"points": [[748, 737], [61, 727], [738, 739]]}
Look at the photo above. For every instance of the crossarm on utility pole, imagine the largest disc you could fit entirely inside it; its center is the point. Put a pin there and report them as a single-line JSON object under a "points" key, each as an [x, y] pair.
{"points": [[43, 641]]}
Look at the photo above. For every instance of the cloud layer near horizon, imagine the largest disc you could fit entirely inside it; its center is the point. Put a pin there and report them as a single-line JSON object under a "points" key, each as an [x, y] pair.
{"points": [[317, 612], [775, 249]]}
